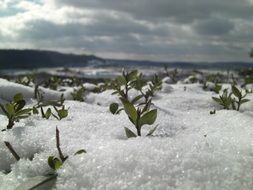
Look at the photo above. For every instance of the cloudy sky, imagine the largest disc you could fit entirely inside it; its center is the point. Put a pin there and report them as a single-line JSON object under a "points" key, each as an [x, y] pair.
{"points": [[164, 30]]}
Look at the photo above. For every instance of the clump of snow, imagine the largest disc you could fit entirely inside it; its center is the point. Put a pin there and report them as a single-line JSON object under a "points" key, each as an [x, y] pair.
{"points": [[167, 80], [9, 89], [191, 149]]}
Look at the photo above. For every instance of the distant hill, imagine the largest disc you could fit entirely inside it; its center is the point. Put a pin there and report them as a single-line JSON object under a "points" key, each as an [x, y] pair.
{"points": [[29, 59], [181, 65], [32, 59]]}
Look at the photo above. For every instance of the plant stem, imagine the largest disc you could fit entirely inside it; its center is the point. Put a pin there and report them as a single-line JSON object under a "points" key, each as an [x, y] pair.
{"points": [[13, 152], [58, 146], [10, 123], [138, 132]]}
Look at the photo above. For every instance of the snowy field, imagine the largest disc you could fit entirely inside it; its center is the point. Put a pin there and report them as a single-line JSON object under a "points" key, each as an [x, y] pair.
{"points": [[191, 149]]}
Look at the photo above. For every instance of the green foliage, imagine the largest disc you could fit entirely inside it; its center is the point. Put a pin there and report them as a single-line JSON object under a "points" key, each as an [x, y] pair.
{"points": [[15, 110], [52, 83], [228, 102], [224, 100], [78, 94], [240, 98], [61, 113], [114, 108], [123, 84], [25, 80], [139, 117], [156, 85], [56, 162], [217, 88], [214, 78], [58, 106]]}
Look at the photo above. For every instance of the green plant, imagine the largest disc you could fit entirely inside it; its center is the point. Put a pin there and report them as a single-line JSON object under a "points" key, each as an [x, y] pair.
{"points": [[217, 88], [139, 117], [227, 101], [122, 84], [56, 162], [240, 98], [61, 113], [78, 94], [56, 104], [25, 80], [156, 85], [224, 100], [15, 110]]}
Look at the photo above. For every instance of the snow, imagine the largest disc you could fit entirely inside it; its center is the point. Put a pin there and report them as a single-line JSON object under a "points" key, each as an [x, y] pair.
{"points": [[191, 149]]}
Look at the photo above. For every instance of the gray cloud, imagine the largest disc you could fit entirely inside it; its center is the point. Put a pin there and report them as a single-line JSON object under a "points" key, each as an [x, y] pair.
{"points": [[214, 26], [180, 10], [194, 30]]}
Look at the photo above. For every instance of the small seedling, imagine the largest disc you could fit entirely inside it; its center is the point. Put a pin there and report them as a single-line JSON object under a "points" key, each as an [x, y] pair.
{"points": [[61, 113], [15, 110], [139, 117], [25, 80], [217, 88], [212, 112], [78, 94], [52, 83], [227, 101], [224, 100], [122, 84], [56, 162], [156, 85], [240, 97]]}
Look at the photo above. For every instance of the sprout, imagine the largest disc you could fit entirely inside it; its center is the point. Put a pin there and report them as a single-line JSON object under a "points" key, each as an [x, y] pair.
{"points": [[15, 110]]}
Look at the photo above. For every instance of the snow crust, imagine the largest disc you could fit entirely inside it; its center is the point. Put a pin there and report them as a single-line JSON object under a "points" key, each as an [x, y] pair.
{"points": [[191, 149]]}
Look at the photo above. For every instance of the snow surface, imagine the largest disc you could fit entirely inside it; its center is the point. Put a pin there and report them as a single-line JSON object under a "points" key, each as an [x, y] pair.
{"points": [[191, 149]]}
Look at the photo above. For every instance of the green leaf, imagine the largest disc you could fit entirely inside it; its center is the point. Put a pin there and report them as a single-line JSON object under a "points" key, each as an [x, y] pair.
{"points": [[236, 92], [35, 110], [18, 97], [10, 108], [80, 152], [132, 75], [4, 110], [48, 113], [244, 101], [148, 118], [115, 92], [129, 109], [24, 111], [136, 99], [19, 105], [54, 162], [218, 100], [147, 106], [152, 131], [121, 81], [114, 107], [62, 113], [129, 133]]}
